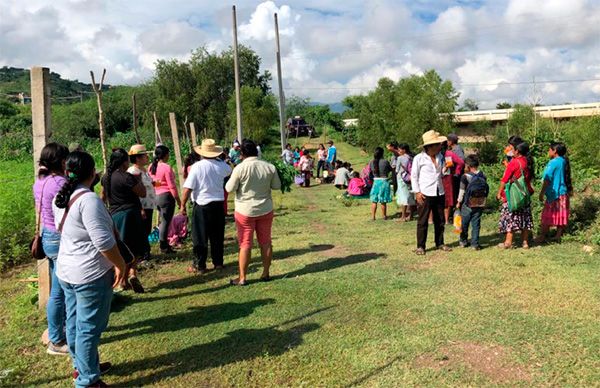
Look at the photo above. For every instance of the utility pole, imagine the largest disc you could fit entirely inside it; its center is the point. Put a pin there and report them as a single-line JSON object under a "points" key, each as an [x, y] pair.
{"points": [[280, 82], [236, 69], [41, 125], [135, 123]]}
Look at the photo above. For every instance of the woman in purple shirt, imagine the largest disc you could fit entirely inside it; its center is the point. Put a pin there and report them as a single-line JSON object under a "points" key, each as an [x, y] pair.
{"points": [[49, 182]]}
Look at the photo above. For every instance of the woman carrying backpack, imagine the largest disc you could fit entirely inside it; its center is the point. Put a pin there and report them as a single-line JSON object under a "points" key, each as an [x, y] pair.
{"points": [[520, 218], [555, 192], [404, 197]]}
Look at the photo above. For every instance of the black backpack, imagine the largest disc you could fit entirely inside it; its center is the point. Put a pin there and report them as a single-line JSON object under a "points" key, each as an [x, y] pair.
{"points": [[477, 188]]}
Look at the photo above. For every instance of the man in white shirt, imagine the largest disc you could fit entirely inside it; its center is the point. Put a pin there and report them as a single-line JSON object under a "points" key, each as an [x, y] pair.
{"points": [[287, 155], [426, 179], [205, 184]]}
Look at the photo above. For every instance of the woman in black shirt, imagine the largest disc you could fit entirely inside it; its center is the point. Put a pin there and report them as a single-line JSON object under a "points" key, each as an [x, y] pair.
{"points": [[122, 192]]}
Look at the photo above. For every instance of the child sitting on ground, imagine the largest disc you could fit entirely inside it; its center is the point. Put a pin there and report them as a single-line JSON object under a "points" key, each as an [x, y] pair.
{"points": [[356, 186], [472, 196]]}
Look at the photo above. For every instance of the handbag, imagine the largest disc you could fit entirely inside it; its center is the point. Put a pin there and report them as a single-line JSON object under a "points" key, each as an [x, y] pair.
{"points": [[517, 193], [36, 246]]}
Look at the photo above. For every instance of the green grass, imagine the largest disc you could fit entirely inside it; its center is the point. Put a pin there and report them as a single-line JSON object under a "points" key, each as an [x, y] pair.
{"points": [[351, 305]]}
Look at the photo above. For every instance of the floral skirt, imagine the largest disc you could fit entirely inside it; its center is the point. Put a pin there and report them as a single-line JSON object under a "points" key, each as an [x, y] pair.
{"points": [[404, 197], [556, 213], [515, 221], [381, 191]]}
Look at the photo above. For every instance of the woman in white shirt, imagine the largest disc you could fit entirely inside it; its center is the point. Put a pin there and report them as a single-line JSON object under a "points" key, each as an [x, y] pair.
{"points": [[89, 265]]}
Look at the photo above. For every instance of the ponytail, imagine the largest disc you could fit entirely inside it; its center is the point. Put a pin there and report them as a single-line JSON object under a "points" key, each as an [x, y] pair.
{"points": [[377, 156], [523, 150], [80, 167], [160, 153]]}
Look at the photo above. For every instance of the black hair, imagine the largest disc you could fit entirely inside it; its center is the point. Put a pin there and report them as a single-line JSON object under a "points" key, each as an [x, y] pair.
{"points": [[249, 148], [515, 141], [406, 148], [117, 158], [288, 145], [561, 150], [160, 152], [338, 164], [306, 152], [189, 160], [51, 159], [523, 150], [472, 161], [321, 146], [80, 167], [394, 144], [377, 156]]}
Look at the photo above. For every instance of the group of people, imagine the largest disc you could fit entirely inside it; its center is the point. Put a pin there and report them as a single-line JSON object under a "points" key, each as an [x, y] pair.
{"points": [[304, 162], [441, 179], [94, 243]]}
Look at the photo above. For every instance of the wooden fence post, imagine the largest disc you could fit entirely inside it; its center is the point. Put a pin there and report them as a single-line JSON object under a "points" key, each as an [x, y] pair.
{"points": [[193, 134], [98, 91], [41, 124], [177, 150]]}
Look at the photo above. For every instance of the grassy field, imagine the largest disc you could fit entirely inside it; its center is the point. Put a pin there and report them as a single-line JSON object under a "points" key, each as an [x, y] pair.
{"points": [[351, 306]]}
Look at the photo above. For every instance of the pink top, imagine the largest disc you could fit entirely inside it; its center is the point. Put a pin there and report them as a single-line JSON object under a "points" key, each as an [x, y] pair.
{"points": [[177, 230], [166, 179], [356, 186], [322, 154], [458, 163], [51, 185]]}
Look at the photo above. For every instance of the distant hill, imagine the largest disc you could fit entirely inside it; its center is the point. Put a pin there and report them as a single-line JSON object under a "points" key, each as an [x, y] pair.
{"points": [[336, 107], [14, 81]]}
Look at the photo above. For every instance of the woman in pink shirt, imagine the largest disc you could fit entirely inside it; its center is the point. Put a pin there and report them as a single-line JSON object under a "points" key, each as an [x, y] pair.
{"points": [[166, 193]]}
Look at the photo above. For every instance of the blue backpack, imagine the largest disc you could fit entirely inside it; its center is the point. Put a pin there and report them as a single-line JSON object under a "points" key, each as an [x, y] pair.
{"points": [[478, 188]]}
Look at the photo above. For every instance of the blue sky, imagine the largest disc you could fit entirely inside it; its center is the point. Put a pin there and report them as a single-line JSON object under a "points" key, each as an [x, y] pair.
{"points": [[330, 48]]}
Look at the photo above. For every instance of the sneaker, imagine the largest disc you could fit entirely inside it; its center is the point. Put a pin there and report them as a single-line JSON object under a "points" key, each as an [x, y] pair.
{"points": [[136, 285], [60, 349], [98, 384], [105, 367]]}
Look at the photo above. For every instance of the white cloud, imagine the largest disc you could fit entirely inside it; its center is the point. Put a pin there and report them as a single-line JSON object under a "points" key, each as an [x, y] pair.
{"points": [[329, 48]]}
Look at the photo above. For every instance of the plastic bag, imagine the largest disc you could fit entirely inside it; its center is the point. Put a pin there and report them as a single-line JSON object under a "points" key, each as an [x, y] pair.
{"points": [[457, 221]]}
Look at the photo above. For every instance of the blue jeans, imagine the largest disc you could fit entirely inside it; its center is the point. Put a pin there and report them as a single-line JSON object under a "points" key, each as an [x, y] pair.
{"points": [[471, 216], [55, 309], [88, 308]]}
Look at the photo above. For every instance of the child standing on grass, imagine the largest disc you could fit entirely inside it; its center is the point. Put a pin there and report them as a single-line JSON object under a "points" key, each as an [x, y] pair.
{"points": [[556, 189], [472, 197], [307, 163]]}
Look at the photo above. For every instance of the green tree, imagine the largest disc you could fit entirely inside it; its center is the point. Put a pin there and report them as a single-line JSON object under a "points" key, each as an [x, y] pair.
{"points": [[259, 113], [469, 104], [503, 105]]}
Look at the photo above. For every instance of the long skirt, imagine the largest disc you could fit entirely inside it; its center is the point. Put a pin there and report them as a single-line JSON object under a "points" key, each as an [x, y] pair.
{"points": [[447, 181], [130, 226], [404, 197], [381, 191], [515, 221], [556, 213]]}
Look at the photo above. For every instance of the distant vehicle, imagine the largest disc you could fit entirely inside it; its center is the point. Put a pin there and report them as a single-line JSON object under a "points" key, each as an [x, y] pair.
{"points": [[298, 127]]}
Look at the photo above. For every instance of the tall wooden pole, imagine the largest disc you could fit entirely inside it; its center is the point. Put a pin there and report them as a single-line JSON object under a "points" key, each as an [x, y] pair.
{"points": [[135, 121], [280, 82], [193, 134], [177, 150], [98, 91], [42, 129], [236, 69], [157, 137]]}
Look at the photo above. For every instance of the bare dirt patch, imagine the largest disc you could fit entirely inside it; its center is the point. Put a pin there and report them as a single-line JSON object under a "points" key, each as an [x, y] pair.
{"points": [[492, 361]]}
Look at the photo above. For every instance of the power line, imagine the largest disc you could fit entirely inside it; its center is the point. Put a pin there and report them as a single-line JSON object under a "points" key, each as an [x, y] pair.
{"points": [[456, 84]]}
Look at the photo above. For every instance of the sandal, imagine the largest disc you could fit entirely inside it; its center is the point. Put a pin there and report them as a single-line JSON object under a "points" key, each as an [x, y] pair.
{"points": [[504, 246], [237, 282], [420, 252], [525, 245], [444, 248], [136, 285]]}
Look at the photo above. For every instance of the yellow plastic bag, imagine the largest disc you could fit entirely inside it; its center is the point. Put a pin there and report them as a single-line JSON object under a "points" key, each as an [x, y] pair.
{"points": [[457, 221]]}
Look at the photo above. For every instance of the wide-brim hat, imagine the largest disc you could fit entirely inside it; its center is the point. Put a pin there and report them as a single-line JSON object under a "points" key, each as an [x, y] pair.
{"points": [[209, 149], [432, 137], [138, 149]]}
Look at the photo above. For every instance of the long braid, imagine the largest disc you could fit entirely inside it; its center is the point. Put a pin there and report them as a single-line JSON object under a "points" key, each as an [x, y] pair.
{"points": [[64, 195], [79, 167], [117, 158]]}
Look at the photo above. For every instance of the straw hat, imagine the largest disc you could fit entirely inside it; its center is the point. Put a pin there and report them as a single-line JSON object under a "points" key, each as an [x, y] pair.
{"points": [[138, 149], [209, 149], [432, 137]]}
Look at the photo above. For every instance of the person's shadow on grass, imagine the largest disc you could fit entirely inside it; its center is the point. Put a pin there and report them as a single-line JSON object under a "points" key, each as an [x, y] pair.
{"points": [[238, 345], [332, 263], [194, 317]]}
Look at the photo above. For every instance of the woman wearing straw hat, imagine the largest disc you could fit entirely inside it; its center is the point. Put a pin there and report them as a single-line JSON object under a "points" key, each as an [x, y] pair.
{"points": [[204, 185], [426, 179], [139, 159]]}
